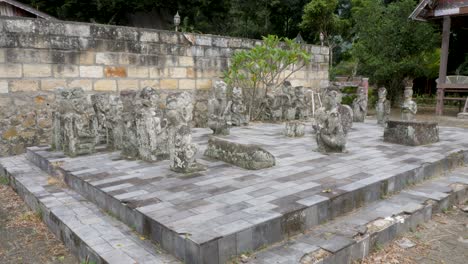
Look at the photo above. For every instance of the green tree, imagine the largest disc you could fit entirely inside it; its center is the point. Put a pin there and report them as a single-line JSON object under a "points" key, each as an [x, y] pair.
{"points": [[321, 17], [263, 68], [390, 47]]}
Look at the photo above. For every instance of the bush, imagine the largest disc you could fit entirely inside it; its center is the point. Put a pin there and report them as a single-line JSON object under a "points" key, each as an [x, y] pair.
{"points": [[263, 68]]}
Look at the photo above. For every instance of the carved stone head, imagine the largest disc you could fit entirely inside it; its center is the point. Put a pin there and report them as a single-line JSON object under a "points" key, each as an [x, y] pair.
{"points": [[78, 101], [286, 87], [179, 108], [408, 94], [237, 93], [382, 93], [334, 122], [100, 102], [148, 97], [332, 99], [220, 90], [299, 92]]}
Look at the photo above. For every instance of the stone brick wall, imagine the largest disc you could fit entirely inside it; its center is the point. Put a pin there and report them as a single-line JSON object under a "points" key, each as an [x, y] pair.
{"points": [[37, 56]]}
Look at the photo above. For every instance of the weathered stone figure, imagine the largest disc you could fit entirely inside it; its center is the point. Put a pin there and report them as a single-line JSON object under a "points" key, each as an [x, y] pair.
{"points": [[360, 106], [288, 98], [115, 124], [346, 113], [300, 103], [129, 142], [101, 108], [182, 151], [60, 109], [409, 107], [150, 127], [239, 115], [77, 123], [330, 135], [383, 107], [274, 107], [219, 114]]}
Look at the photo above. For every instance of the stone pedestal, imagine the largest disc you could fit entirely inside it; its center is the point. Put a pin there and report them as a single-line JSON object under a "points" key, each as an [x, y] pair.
{"points": [[462, 116], [294, 129], [411, 133]]}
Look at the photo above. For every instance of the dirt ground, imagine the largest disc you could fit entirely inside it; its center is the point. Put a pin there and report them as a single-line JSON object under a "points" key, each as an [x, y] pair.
{"points": [[443, 240], [24, 238]]}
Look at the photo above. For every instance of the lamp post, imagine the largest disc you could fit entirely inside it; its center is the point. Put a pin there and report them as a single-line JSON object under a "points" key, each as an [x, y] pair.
{"points": [[177, 21], [322, 38]]}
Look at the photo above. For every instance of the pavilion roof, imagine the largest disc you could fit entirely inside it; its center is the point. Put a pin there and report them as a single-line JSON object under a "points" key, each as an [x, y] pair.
{"points": [[433, 9], [28, 9]]}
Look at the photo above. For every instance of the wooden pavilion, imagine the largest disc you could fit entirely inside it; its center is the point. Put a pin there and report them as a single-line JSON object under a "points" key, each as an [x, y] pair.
{"points": [[446, 11], [15, 8]]}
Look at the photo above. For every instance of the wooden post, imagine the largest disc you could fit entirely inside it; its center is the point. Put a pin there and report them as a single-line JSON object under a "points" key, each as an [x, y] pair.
{"points": [[443, 65]]}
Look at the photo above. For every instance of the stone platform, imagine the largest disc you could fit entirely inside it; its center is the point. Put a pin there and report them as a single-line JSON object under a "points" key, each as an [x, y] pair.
{"points": [[210, 216]]}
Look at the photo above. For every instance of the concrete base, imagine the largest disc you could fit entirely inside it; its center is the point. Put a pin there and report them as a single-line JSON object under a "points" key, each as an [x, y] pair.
{"points": [[411, 133]]}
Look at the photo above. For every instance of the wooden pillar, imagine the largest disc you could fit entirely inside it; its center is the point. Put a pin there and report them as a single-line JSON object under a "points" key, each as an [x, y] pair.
{"points": [[443, 65]]}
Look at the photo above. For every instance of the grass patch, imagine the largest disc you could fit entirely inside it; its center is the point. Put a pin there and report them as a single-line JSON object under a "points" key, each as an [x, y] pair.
{"points": [[4, 180]]}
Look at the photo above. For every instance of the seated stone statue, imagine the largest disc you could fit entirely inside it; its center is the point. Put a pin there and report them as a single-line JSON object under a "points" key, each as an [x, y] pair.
{"points": [[288, 97], [129, 135], [219, 119], [101, 108], [409, 107], [274, 105], [330, 135], [59, 111], [115, 125], [360, 106], [239, 115], [300, 103], [77, 123], [150, 127], [382, 107], [182, 151]]}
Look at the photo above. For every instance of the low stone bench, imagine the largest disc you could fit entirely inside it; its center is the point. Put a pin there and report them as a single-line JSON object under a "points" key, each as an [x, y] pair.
{"points": [[411, 133], [247, 156]]}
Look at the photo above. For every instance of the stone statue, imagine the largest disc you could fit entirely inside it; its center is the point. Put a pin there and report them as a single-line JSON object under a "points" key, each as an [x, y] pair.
{"points": [[115, 124], [383, 107], [239, 115], [77, 123], [288, 97], [360, 106], [346, 113], [300, 103], [409, 107], [219, 114], [101, 108], [59, 111], [150, 127], [274, 107], [330, 135], [182, 151], [129, 142]]}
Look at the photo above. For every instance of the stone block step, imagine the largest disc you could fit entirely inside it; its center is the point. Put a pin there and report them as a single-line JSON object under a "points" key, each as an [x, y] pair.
{"points": [[353, 236], [200, 223], [92, 235]]}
